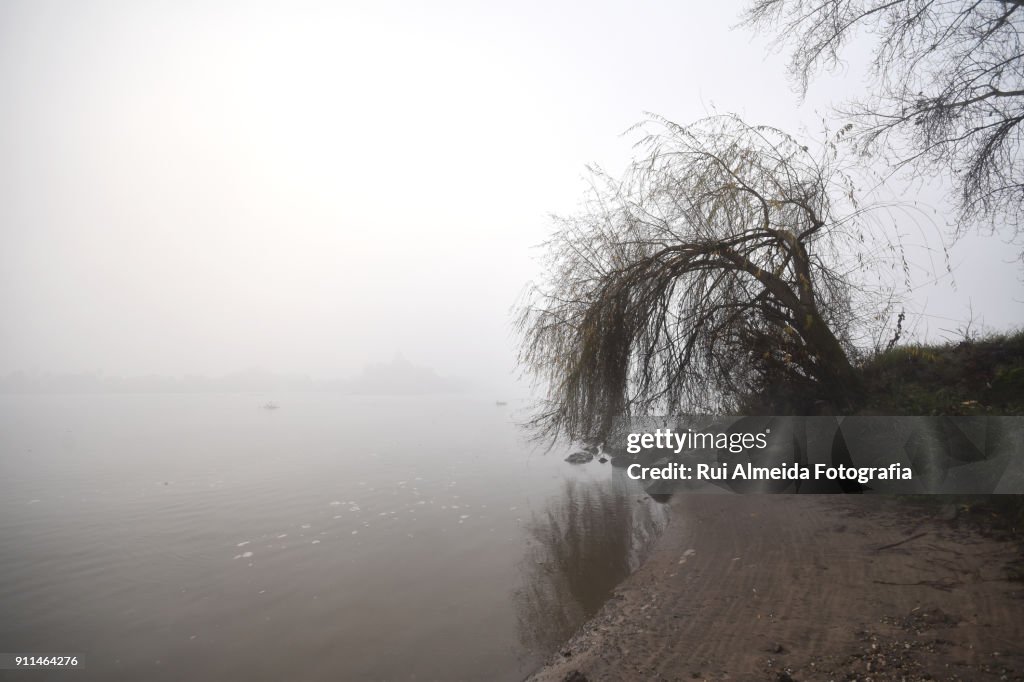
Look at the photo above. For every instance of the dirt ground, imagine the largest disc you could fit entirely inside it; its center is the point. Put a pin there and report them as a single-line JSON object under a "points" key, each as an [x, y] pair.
{"points": [[804, 587]]}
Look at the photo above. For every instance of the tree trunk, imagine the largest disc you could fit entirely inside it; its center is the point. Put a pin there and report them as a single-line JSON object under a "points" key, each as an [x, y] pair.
{"points": [[840, 381]]}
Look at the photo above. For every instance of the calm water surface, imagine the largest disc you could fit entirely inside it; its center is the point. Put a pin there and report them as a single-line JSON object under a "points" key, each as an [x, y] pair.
{"points": [[200, 537]]}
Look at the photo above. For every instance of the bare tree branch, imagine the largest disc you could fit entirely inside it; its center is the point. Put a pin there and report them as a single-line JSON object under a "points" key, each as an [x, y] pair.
{"points": [[948, 95]]}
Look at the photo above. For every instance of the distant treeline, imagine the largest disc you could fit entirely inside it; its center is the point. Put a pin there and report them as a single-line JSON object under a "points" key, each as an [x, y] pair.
{"points": [[397, 378]]}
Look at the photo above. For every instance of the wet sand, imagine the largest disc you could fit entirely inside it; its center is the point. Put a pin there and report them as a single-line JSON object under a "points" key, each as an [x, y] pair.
{"points": [[808, 588]]}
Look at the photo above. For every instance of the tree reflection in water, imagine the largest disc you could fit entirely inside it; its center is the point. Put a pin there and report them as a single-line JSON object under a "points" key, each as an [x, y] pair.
{"points": [[585, 543]]}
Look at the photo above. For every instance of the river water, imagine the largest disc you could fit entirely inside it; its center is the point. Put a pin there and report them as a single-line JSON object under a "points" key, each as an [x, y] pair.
{"points": [[202, 537]]}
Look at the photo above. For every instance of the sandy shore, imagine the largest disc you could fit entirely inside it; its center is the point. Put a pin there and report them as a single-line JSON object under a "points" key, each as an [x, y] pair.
{"points": [[807, 588]]}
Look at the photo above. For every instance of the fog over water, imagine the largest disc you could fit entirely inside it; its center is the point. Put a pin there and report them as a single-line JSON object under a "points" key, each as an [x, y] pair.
{"points": [[199, 537], [203, 188], [259, 399]]}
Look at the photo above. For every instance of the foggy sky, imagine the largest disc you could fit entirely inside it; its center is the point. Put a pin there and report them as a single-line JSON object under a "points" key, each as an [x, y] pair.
{"points": [[191, 187]]}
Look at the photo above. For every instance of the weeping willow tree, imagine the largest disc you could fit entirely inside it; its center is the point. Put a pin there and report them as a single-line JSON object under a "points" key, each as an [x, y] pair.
{"points": [[726, 262]]}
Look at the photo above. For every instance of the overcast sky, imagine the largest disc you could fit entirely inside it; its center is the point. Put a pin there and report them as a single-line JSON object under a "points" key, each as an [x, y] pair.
{"points": [[200, 187]]}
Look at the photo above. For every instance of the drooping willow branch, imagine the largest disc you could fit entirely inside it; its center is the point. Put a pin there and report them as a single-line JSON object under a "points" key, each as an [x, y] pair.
{"points": [[948, 90]]}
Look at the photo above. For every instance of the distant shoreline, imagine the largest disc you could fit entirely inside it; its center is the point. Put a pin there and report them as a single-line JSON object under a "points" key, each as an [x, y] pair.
{"points": [[399, 377]]}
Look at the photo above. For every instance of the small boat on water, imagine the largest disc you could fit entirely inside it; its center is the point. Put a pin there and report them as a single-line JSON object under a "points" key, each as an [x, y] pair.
{"points": [[500, 403], [269, 406]]}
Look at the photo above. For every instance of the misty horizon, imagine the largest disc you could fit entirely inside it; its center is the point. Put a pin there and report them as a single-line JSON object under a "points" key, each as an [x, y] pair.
{"points": [[399, 376], [194, 189]]}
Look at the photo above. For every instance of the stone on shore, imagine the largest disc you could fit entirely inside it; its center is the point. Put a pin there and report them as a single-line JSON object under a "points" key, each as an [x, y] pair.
{"points": [[579, 458]]}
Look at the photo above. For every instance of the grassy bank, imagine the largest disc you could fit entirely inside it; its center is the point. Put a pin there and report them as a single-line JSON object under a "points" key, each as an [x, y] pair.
{"points": [[977, 377], [973, 377]]}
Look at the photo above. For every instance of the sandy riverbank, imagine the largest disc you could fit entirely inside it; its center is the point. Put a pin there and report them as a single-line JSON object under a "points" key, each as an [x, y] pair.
{"points": [[807, 588]]}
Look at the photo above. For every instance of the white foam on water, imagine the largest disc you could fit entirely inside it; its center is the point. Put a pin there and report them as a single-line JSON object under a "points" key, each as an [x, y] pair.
{"points": [[246, 555], [243, 544], [335, 503], [306, 525], [282, 535], [355, 532], [464, 516], [336, 516], [315, 542]]}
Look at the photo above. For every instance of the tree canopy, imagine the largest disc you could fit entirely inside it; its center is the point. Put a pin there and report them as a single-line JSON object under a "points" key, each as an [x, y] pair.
{"points": [[948, 90], [727, 260]]}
